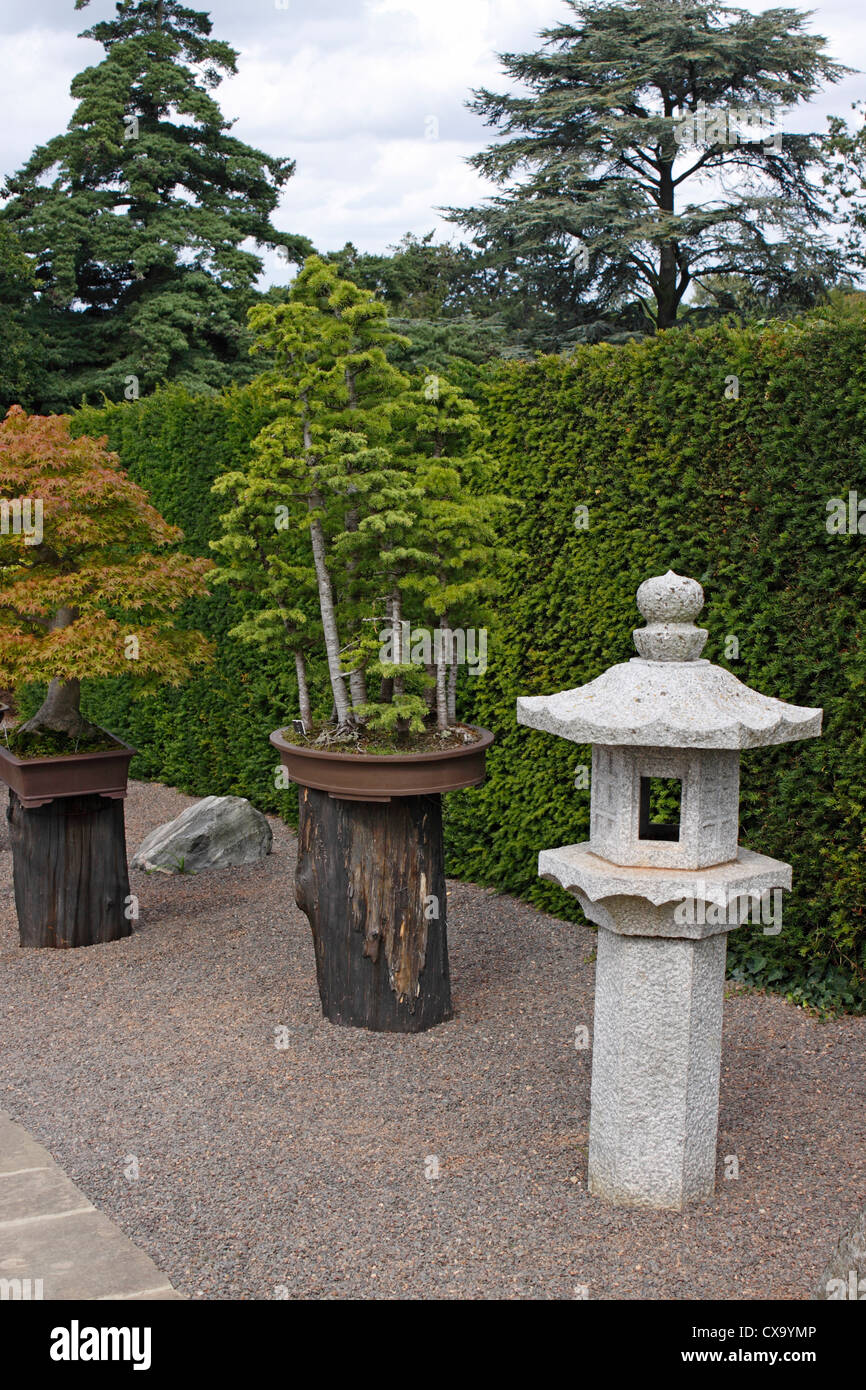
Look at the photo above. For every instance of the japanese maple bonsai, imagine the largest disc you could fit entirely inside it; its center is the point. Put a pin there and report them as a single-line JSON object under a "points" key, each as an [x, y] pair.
{"points": [[84, 592], [361, 513]]}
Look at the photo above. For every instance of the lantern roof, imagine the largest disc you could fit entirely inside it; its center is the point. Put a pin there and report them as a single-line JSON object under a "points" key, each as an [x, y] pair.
{"points": [[669, 696]]}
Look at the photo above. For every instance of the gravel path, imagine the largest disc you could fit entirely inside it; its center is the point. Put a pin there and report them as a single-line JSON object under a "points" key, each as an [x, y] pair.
{"points": [[303, 1171]]}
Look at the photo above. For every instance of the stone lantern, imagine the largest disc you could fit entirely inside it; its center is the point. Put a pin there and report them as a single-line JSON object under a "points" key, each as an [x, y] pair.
{"points": [[666, 729]]}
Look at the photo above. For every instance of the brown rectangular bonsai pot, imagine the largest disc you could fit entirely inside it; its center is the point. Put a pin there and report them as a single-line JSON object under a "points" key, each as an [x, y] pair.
{"points": [[40, 780]]}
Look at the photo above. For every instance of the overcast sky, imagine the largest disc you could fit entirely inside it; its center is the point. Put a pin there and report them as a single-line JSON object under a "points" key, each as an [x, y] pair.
{"points": [[350, 89]]}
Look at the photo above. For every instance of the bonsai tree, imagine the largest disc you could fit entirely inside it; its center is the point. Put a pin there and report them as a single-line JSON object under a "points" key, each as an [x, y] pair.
{"points": [[366, 488], [84, 591], [372, 471], [458, 531]]}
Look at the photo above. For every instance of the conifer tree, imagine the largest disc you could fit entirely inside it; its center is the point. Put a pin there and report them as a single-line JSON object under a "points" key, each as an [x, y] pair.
{"points": [[644, 149], [354, 456], [19, 360], [457, 530], [137, 215]]}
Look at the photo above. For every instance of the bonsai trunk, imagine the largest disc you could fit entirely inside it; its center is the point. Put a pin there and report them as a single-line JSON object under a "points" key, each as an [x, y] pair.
{"points": [[398, 687], [60, 712], [452, 694], [442, 677], [303, 689], [371, 880]]}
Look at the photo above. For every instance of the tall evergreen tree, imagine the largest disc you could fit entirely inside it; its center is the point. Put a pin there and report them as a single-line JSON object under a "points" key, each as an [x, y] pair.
{"points": [[647, 152], [138, 214]]}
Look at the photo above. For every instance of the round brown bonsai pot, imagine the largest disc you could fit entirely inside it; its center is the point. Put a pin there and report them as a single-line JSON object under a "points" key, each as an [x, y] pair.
{"points": [[66, 830], [371, 877], [382, 776]]}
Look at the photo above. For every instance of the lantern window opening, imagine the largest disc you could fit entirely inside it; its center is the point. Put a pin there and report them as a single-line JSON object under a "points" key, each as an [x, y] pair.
{"points": [[660, 796]]}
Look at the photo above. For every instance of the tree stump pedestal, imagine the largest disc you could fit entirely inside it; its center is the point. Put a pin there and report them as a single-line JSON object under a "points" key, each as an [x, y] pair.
{"points": [[69, 870], [371, 877], [371, 881]]}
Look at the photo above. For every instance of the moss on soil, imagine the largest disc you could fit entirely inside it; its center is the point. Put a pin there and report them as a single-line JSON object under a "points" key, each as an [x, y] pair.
{"points": [[382, 745], [49, 745]]}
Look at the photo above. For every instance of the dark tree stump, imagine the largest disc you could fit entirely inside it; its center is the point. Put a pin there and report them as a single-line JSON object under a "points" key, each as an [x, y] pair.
{"points": [[371, 881], [69, 870]]}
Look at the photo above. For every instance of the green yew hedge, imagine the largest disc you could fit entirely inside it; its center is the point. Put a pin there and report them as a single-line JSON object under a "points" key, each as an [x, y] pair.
{"points": [[678, 466]]}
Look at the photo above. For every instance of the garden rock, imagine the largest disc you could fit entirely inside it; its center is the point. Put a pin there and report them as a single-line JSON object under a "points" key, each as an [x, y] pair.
{"points": [[219, 832]]}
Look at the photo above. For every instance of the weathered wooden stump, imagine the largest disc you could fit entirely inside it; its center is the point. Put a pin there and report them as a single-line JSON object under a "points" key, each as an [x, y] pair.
{"points": [[371, 881], [69, 871]]}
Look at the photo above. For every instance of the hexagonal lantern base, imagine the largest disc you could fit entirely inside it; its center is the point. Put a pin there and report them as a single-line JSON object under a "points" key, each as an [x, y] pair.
{"points": [[657, 1034]]}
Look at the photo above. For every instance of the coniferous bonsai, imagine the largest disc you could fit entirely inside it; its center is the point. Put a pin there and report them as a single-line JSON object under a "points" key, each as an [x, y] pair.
{"points": [[362, 530], [381, 476], [89, 586]]}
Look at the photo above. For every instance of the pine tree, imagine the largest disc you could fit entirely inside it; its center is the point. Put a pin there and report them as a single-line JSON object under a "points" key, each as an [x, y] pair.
{"points": [[631, 109], [138, 215], [83, 589]]}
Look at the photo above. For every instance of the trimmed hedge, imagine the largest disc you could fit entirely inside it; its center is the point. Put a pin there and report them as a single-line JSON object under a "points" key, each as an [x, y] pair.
{"points": [[674, 473], [733, 492]]}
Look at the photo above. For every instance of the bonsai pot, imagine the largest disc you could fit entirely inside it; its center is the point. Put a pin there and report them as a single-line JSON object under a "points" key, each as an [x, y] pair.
{"points": [[381, 777], [37, 781], [66, 830], [370, 878]]}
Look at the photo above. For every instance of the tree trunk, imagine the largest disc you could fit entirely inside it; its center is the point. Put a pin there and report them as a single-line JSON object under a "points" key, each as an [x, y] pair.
{"points": [[399, 686], [303, 689], [371, 880], [358, 687], [60, 711], [69, 871], [452, 694], [325, 590], [442, 673]]}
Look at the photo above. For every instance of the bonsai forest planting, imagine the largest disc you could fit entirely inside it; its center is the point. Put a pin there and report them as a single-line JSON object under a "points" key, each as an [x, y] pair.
{"points": [[380, 475]]}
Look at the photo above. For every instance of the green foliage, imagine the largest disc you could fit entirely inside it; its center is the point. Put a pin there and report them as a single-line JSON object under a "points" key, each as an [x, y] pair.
{"points": [[210, 736], [674, 474], [20, 374], [592, 147], [734, 492], [140, 216]]}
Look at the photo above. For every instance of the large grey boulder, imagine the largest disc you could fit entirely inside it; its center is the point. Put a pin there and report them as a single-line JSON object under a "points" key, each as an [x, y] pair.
{"points": [[219, 832], [845, 1275]]}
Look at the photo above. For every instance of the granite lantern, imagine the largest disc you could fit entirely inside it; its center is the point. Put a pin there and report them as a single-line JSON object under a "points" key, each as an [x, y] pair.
{"points": [[664, 887]]}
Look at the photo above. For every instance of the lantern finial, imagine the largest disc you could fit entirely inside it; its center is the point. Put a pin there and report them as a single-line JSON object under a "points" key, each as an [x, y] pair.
{"points": [[669, 602]]}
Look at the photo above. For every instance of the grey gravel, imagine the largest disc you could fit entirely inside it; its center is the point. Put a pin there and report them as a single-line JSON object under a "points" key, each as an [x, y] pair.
{"points": [[301, 1172]]}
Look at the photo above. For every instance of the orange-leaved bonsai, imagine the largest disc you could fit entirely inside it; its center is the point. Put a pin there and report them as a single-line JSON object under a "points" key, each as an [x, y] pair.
{"points": [[90, 583], [84, 589]]}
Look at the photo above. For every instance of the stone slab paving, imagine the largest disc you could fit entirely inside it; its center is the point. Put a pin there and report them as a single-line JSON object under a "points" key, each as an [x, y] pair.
{"points": [[50, 1232]]}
